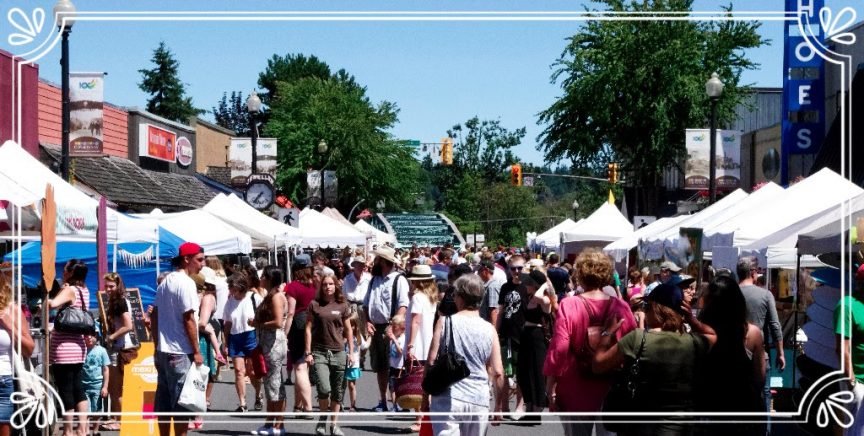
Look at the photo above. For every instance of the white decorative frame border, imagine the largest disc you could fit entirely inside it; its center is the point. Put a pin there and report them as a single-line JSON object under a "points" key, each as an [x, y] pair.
{"points": [[31, 32]]}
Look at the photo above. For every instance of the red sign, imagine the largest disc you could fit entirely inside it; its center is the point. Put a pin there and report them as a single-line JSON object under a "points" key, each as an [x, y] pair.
{"points": [[184, 151], [157, 143]]}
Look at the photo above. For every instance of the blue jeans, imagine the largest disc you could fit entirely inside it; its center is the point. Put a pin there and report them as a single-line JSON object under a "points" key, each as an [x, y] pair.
{"points": [[171, 370], [7, 386]]}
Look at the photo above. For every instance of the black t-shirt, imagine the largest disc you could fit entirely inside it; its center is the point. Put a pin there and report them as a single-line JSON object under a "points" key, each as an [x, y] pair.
{"points": [[512, 316], [447, 306]]}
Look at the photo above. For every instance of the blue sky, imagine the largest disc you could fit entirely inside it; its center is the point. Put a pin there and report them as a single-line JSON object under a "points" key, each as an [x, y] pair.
{"points": [[438, 72]]}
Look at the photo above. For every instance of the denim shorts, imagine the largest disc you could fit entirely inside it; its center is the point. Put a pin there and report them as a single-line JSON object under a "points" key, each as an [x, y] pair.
{"points": [[171, 370], [94, 397], [241, 344], [7, 386]]}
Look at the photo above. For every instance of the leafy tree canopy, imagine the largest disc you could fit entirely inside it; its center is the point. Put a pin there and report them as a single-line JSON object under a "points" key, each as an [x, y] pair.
{"points": [[631, 88], [484, 147], [231, 113], [167, 93]]}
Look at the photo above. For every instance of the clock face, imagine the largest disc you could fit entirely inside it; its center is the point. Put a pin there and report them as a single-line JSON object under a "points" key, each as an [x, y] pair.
{"points": [[259, 194]]}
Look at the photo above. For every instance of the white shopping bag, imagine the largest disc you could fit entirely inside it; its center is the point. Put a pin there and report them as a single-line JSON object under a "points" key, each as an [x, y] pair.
{"points": [[193, 397]]}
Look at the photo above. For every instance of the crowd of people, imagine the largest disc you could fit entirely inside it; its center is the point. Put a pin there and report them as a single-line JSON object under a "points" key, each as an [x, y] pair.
{"points": [[557, 336]]}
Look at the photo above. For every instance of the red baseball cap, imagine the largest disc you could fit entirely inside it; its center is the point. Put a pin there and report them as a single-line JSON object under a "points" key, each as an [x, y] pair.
{"points": [[190, 249], [859, 275]]}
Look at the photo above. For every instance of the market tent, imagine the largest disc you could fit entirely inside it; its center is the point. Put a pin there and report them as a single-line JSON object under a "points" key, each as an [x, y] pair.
{"points": [[604, 224], [336, 216], [206, 230], [22, 182], [652, 247], [136, 262], [264, 231], [551, 239], [619, 248], [319, 230], [378, 236], [805, 199]]}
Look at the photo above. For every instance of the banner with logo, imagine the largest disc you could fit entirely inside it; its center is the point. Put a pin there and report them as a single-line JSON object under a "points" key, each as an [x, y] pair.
{"points": [[331, 188], [313, 188], [240, 158], [157, 143], [85, 114], [728, 160]]}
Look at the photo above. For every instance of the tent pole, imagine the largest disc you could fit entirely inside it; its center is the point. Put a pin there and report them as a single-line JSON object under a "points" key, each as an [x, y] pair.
{"points": [[114, 260], [795, 308]]}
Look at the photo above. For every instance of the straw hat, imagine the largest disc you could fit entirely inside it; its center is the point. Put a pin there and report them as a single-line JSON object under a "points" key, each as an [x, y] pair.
{"points": [[421, 272], [387, 253]]}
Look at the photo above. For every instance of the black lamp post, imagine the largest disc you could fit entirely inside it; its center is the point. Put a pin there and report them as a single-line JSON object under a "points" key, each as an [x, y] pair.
{"points": [[64, 11], [714, 88], [322, 150], [253, 104]]}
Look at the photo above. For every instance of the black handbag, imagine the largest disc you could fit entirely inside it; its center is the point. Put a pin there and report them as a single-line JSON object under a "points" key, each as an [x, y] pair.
{"points": [[71, 319], [622, 396], [448, 368]]}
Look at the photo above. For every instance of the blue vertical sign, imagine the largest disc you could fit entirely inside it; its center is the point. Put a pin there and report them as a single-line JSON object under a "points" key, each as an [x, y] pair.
{"points": [[803, 124]]}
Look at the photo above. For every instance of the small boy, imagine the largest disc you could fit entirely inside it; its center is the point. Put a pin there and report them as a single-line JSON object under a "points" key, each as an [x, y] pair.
{"points": [[95, 377], [397, 359]]}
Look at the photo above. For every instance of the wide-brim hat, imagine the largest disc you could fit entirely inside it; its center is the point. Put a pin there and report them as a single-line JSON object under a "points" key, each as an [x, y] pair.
{"points": [[671, 266], [421, 272], [387, 253], [358, 259]]}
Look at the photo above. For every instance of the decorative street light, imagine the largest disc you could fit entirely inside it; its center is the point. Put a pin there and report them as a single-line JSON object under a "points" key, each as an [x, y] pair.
{"points": [[322, 147], [575, 207], [64, 12], [714, 88], [322, 150], [253, 104]]}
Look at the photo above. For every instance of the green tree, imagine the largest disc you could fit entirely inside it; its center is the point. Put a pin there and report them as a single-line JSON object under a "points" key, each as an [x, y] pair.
{"points": [[369, 163], [631, 88], [167, 93], [484, 147], [231, 113]]}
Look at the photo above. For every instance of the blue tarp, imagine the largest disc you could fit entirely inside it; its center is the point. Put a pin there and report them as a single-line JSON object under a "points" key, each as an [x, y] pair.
{"points": [[136, 262]]}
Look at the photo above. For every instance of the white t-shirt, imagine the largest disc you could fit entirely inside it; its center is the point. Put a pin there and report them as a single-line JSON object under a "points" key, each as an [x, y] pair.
{"points": [[420, 304], [396, 359], [355, 290], [176, 296], [222, 296], [239, 312], [357, 347]]}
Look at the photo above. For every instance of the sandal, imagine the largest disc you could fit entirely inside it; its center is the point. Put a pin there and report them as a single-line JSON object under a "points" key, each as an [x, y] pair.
{"points": [[415, 428], [110, 426]]}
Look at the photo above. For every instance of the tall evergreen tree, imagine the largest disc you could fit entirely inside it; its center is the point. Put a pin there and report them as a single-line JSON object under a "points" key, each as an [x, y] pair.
{"points": [[231, 113], [167, 93]]}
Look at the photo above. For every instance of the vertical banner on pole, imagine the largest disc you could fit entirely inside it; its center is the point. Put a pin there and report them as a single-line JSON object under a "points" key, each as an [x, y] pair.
{"points": [[85, 114], [331, 188], [313, 188]]}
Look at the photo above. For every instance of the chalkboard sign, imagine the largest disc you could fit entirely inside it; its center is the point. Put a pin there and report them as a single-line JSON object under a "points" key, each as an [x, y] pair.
{"points": [[139, 332]]}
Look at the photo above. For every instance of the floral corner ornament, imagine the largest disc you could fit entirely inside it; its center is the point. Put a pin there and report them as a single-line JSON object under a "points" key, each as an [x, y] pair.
{"points": [[835, 26], [36, 400], [835, 406], [28, 26]]}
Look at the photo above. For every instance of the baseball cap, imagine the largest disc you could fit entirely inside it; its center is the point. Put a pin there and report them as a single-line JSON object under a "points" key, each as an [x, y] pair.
{"points": [[667, 295], [682, 281], [671, 266], [859, 275], [301, 261], [190, 249]]}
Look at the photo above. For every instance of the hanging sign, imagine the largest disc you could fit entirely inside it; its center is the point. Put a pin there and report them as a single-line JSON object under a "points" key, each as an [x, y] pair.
{"points": [[85, 114]]}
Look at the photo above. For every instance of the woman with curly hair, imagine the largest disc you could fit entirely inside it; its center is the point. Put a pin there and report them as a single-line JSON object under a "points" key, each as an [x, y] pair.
{"points": [[11, 337]]}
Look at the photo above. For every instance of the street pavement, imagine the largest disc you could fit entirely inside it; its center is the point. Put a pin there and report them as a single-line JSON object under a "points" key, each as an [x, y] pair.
{"points": [[224, 399]]}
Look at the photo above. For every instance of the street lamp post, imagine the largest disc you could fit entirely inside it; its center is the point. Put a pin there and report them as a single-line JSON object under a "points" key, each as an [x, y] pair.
{"points": [[253, 104], [64, 10], [575, 206], [322, 150], [714, 88]]}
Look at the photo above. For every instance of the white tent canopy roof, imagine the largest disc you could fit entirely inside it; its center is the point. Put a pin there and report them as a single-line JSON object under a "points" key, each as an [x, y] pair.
{"points": [[263, 230], [619, 248], [214, 235], [808, 198], [378, 236], [604, 224], [23, 180], [319, 230], [551, 238]]}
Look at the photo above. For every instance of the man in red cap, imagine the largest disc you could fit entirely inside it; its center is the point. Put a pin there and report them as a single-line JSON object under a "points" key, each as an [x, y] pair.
{"points": [[176, 334], [849, 332]]}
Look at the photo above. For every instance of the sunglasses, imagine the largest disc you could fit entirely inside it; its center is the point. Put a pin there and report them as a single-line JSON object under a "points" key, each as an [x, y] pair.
{"points": [[516, 268]]}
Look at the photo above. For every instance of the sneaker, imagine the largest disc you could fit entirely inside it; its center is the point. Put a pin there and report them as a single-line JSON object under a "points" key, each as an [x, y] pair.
{"points": [[381, 407], [259, 404], [241, 409], [263, 430], [321, 428], [336, 431]]}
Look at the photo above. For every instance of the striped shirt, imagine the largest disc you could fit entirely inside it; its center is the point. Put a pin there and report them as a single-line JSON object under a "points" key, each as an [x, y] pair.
{"points": [[69, 348]]}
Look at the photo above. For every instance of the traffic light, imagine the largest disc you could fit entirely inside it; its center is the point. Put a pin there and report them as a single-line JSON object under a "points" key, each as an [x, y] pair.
{"points": [[447, 151], [612, 172], [516, 174]]}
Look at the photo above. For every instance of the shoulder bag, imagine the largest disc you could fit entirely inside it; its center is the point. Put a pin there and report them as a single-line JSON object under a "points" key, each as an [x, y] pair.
{"points": [[593, 336], [622, 396], [257, 363], [71, 319], [448, 368]]}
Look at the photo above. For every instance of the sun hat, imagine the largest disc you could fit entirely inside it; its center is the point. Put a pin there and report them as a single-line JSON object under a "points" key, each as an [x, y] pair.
{"points": [[386, 253], [209, 275], [421, 272], [358, 259], [671, 266]]}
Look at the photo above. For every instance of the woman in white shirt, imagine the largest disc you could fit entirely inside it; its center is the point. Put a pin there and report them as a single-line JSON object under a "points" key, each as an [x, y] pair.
{"points": [[420, 319], [239, 321]]}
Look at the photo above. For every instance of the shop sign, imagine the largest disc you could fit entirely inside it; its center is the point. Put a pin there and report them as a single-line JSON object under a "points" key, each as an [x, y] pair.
{"points": [[157, 143], [184, 151]]}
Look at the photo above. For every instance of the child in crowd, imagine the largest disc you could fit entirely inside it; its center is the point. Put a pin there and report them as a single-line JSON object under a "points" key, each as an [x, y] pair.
{"points": [[397, 358], [95, 378], [361, 342]]}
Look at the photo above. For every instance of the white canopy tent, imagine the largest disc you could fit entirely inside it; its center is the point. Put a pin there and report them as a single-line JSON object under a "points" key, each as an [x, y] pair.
{"points": [[604, 224], [651, 247], [619, 248], [264, 231], [378, 237], [216, 236], [23, 180], [319, 230], [551, 239]]}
